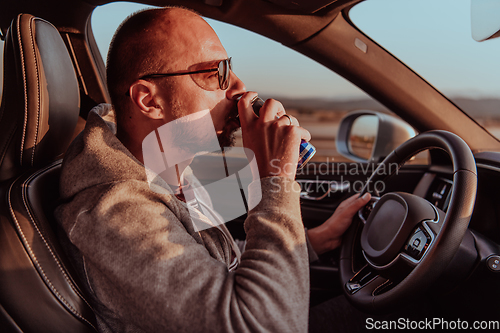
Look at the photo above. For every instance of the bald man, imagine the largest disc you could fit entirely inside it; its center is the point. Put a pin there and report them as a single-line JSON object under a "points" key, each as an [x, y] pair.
{"points": [[145, 265]]}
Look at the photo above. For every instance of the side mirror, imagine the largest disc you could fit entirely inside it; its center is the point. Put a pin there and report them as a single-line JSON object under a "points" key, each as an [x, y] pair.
{"points": [[369, 136]]}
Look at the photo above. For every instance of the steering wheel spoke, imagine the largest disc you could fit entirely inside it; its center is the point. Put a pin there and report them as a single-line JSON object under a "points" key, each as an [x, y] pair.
{"points": [[365, 291], [365, 211], [360, 279]]}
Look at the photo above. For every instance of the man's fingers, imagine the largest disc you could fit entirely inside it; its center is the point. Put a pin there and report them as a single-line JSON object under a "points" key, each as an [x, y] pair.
{"points": [[245, 109], [280, 114], [355, 202], [271, 110], [353, 198], [287, 120], [304, 134], [361, 201]]}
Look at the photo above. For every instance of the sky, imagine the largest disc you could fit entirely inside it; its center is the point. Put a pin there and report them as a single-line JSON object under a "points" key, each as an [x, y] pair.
{"points": [[431, 36]]}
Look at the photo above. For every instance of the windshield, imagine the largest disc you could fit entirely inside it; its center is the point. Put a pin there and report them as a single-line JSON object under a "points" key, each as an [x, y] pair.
{"points": [[433, 37]]}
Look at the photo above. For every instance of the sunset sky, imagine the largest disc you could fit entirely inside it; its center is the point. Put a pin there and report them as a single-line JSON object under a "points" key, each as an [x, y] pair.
{"points": [[431, 36]]}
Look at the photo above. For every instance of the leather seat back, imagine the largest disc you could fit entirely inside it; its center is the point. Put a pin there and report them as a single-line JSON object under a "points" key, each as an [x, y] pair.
{"points": [[39, 112], [40, 101]]}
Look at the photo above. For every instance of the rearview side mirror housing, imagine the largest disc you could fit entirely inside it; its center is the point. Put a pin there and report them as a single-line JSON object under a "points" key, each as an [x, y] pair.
{"points": [[485, 22], [369, 136]]}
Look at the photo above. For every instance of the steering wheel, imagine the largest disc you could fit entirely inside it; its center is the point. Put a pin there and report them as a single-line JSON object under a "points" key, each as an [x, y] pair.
{"points": [[406, 242]]}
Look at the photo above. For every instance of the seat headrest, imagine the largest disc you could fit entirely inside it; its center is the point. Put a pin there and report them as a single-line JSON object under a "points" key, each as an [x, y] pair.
{"points": [[41, 99]]}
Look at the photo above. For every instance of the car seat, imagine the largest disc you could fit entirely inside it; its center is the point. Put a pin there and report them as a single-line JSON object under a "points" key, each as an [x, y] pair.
{"points": [[38, 115]]}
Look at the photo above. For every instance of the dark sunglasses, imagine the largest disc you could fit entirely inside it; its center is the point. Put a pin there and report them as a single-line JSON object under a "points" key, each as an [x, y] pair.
{"points": [[207, 82]]}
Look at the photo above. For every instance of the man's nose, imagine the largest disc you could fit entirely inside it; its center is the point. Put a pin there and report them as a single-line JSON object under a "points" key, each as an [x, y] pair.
{"points": [[236, 87]]}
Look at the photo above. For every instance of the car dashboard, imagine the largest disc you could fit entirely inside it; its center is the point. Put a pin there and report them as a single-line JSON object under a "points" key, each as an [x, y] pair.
{"points": [[436, 183]]}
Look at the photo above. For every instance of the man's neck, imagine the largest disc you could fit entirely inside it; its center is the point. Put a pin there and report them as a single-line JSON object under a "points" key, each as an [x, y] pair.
{"points": [[129, 142], [172, 175]]}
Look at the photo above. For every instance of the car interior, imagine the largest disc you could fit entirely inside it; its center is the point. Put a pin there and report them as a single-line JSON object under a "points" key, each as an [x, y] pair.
{"points": [[432, 232]]}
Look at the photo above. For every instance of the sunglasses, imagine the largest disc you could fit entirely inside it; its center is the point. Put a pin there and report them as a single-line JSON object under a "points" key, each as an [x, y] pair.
{"points": [[209, 81]]}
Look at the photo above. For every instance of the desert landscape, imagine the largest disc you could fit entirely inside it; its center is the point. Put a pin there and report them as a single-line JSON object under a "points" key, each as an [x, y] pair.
{"points": [[322, 117]]}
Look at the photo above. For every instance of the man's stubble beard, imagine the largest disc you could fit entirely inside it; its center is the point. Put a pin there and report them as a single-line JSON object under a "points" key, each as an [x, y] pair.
{"points": [[188, 138], [227, 138]]}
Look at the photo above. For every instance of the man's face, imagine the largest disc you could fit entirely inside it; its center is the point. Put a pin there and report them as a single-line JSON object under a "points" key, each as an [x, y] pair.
{"points": [[198, 47]]}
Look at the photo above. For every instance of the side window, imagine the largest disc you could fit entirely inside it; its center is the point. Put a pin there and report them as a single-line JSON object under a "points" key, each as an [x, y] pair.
{"points": [[318, 97], [106, 19]]}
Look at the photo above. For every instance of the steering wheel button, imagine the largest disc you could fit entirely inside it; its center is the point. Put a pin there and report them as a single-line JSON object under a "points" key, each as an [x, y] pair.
{"points": [[352, 287], [416, 244], [493, 263]]}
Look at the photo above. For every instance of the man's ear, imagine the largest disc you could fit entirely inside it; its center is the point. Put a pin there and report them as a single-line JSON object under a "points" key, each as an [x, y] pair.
{"points": [[143, 95]]}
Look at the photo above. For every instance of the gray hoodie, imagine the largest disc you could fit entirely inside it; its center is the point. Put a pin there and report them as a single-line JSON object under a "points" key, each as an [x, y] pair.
{"points": [[147, 270]]}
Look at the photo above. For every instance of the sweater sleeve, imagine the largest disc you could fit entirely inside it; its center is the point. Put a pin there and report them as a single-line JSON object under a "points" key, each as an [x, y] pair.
{"points": [[149, 273], [254, 193]]}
